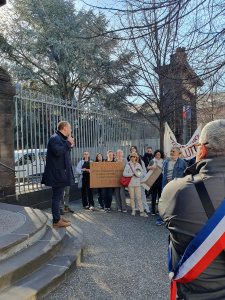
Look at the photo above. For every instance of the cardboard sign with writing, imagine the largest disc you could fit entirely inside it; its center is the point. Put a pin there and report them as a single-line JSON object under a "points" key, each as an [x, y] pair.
{"points": [[105, 174], [150, 178]]}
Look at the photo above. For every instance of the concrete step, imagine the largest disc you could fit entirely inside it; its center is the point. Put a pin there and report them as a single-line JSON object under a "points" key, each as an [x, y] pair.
{"points": [[21, 227], [52, 272], [31, 258]]}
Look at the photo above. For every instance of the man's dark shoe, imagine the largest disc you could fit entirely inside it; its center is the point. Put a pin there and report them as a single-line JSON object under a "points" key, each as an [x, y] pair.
{"points": [[67, 209]]}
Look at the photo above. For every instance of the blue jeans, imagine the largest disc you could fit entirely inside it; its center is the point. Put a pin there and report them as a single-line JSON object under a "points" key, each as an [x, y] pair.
{"points": [[57, 195]]}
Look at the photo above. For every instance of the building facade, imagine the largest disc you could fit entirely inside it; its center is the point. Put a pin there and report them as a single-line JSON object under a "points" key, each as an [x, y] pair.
{"points": [[179, 86]]}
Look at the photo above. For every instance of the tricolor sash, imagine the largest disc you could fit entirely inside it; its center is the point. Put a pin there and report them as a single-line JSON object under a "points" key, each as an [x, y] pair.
{"points": [[201, 251]]}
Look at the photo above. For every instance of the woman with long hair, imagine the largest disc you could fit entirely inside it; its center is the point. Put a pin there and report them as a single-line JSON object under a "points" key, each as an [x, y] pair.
{"points": [[83, 168], [156, 188]]}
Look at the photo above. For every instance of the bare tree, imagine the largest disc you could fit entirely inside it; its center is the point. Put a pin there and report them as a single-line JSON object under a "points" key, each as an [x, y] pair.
{"points": [[153, 51], [155, 29]]}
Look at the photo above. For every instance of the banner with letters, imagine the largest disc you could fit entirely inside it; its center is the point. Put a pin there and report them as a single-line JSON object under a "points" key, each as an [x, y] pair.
{"points": [[189, 150]]}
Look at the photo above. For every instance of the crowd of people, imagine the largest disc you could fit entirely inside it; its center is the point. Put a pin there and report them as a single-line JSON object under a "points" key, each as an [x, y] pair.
{"points": [[58, 174], [134, 166], [191, 203]]}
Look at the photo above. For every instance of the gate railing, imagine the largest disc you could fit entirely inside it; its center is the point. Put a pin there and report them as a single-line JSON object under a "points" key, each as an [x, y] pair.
{"points": [[94, 128]]}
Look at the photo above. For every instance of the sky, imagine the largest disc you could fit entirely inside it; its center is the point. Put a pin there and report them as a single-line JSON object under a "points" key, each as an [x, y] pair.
{"points": [[86, 4], [113, 21], [102, 3]]}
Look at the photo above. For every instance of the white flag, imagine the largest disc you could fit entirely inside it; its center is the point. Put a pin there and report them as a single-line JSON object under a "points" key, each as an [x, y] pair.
{"points": [[189, 150]]}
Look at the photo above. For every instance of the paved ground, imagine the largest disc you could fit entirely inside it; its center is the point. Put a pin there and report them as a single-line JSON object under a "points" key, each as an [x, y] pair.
{"points": [[124, 259], [10, 221]]}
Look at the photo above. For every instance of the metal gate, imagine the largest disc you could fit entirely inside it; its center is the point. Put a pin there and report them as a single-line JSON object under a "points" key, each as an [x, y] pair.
{"points": [[94, 128]]}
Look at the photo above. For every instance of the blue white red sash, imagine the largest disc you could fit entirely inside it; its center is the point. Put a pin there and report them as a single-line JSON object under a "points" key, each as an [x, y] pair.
{"points": [[200, 252]]}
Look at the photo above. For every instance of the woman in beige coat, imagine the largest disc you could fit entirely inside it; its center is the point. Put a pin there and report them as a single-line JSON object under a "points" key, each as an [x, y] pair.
{"points": [[134, 170]]}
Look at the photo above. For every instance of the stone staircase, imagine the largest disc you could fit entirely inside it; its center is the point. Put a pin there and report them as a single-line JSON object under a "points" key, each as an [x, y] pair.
{"points": [[34, 257]]}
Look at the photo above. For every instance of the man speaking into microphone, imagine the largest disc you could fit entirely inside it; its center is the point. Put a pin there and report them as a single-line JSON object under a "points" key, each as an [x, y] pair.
{"points": [[58, 170]]}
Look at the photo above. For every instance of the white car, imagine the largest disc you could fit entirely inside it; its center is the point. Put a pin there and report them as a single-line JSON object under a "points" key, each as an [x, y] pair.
{"points": [[29, 163]]}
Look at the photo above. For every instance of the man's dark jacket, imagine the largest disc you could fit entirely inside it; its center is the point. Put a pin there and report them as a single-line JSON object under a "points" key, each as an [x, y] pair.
{"points": [[147, 157], [58, 170]]}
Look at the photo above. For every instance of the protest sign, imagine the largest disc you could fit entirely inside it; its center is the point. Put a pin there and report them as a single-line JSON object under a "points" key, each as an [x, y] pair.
{"points": [[105, 174]]}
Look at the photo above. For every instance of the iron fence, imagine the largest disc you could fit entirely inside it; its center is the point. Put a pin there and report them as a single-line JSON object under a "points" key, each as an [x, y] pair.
{"points": [[94, 128]]}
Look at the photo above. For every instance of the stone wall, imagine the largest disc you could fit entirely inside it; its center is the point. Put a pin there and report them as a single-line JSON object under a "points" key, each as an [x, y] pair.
{"points": [[7, 175]]}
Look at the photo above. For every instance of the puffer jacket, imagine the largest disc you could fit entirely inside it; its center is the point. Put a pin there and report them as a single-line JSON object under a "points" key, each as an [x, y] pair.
{"points": [[129, 172], [182, 210]]}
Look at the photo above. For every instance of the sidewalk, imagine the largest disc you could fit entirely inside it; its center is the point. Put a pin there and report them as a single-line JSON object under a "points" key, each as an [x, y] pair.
{"points": [[124, 258]]}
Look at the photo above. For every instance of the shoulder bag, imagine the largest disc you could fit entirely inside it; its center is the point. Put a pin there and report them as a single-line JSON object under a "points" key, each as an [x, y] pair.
{"points": [[124, 181]]}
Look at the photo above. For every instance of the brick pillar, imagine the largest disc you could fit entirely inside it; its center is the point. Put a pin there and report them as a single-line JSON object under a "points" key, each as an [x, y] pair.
{"points": [[7, 176]]}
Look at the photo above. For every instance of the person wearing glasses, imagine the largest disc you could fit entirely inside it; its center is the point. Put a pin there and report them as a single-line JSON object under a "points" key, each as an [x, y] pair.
{"points": [[173, 167], [134, 170], [83, 169], [133, 149], [193, 209], [143, 194]]}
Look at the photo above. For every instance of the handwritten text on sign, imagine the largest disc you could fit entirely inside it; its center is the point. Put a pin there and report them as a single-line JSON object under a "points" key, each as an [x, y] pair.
{"points": [[105, 174]]}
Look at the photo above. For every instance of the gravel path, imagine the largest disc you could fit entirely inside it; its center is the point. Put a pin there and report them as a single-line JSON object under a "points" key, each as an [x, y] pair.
{"points": [[124, 259]]}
